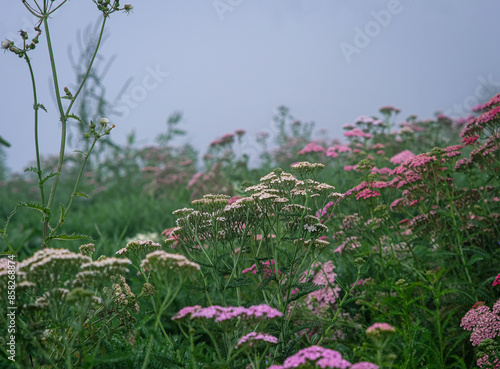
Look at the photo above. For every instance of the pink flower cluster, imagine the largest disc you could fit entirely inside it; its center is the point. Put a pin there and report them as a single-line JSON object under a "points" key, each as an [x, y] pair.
{"points": [[266, 267], [482, 322], [366, 194], [402, 157], [221, 314], [318, 356], [380, 328], [228, 138], [254, 336], [356, 132], [311, 147], [327, 296]]}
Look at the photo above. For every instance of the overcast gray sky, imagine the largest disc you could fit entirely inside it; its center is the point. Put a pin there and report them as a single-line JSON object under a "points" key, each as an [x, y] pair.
{"points": [[228, 64]]}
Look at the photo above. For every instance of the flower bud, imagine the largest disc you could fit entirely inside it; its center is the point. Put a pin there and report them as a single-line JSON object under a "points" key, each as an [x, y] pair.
{"points": [[104, 121], [148, 289], [6, 44]]}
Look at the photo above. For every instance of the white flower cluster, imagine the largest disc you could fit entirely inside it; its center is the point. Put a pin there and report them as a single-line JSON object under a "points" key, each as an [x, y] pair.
{"points": [[139, 246], [163, 262]]}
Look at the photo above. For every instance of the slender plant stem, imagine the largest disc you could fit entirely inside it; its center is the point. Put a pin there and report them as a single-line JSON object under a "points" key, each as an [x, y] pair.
{"points": [[64, 115], [37, 146]]}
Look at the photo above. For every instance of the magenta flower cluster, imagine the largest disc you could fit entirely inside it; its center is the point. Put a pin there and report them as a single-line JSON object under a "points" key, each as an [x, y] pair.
{"points": [[221, 314]]}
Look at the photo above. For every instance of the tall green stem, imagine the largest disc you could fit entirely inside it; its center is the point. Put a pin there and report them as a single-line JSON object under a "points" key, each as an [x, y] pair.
{"points": [[37, 146], [63, 117]]}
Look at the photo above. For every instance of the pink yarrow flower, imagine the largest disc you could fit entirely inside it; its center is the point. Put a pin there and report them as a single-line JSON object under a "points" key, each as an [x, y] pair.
{"points": [[378, 329], [356, 132], [402, 157], [483, 322], [311, 147], [366, 194], [315, 355], [221, 314], [496, 281], [254, 336]]}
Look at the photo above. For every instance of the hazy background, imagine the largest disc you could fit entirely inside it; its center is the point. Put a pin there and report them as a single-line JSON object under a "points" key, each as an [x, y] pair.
{"points": [[229, 64]]}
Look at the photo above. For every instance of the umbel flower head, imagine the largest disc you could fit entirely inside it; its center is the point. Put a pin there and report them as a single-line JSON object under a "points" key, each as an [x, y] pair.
{"points": [[163, 262], [253, 337], [229, 313], [139, 248], [315, 357], [52, 267], [380, 329]]}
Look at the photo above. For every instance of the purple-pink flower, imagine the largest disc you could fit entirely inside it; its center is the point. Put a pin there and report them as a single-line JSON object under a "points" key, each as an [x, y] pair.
{"points": [[315, 355], [220, 314], [356, 132], [311, 147], [483, 322], [402, 157], [254, 336], [378, 329]]}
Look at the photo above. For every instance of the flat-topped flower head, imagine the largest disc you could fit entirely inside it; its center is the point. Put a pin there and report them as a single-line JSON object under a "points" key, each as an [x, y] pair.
{"points": [[402, 157], [138, 247], [314, 357], [229, 313], [389, 110], [52, 266], [380, 329], [183, 212], [101, 271], [356, 132], [306, 168], [483, 322], [186, 312], [163, 262], [253, 337], [311, 147]]}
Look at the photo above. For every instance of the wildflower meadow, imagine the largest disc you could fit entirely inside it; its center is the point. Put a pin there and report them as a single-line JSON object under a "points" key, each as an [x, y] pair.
{"points": [[377, 249]]}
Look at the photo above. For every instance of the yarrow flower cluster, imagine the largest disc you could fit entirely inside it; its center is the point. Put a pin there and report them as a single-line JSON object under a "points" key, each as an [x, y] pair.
{"points": [[163, 262], [315, 356], [251, 338], [138, 246], [483, 322], [221, 314], [380, 329], [311, 147]]}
